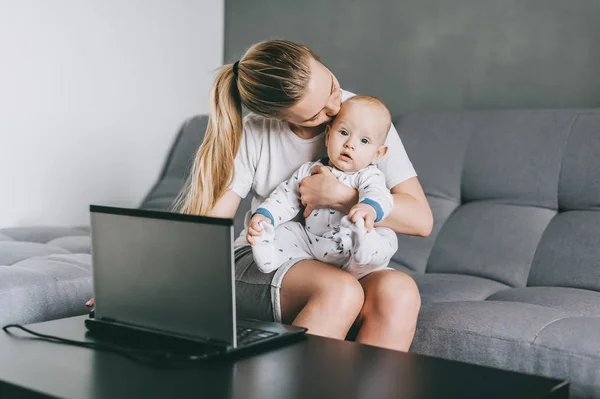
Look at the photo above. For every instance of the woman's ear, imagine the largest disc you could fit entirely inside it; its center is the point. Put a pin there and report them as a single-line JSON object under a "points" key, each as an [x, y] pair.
{"points": [[381, 151]]}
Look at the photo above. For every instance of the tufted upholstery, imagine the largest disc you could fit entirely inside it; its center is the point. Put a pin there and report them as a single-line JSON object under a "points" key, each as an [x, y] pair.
{"points": [[509, 277], [45, 273]]}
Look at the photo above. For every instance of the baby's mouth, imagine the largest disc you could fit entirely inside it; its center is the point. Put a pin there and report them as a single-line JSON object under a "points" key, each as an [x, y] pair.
{"points": [[345, 156]]}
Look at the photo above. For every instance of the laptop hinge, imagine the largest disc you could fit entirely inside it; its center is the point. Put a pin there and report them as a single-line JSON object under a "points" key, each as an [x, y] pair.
{"points": [[164, 334]]}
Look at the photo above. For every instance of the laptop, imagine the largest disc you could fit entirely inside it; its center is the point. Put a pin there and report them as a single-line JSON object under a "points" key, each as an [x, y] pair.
{"points": [[171, 275]]}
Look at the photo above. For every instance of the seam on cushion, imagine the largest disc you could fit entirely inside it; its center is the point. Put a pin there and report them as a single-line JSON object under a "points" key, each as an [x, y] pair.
{"points": [[41, 272], [501, 300], [591, 357], [578, 313], [64, 261], [459, 199], [63, 237], [562, 161], [464, 161], [84, 234], [47, 257], [508, 202], [27, 287], [58, 238], [473, 275], [546, 325], [443, 197]]}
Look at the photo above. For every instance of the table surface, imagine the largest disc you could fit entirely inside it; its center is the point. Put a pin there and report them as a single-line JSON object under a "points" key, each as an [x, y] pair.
{"points": [[313, 367]]}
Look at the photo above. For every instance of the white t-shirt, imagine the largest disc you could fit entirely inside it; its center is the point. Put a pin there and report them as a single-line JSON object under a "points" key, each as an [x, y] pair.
{"points": [[270, 153]]}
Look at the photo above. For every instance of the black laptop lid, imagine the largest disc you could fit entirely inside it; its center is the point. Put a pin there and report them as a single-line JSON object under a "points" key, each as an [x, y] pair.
{"points": [[166, 272]]}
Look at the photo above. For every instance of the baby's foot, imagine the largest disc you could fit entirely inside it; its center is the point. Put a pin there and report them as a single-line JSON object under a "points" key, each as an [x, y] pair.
{"points": [[264, 251], [361, 240]]}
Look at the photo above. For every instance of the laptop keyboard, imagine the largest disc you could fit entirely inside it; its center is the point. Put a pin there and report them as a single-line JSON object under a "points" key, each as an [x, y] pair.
{"points": [[247, 336]]}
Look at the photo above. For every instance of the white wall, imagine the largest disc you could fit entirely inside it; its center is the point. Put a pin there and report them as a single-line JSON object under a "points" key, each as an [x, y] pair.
{"points": [[91, 96]]}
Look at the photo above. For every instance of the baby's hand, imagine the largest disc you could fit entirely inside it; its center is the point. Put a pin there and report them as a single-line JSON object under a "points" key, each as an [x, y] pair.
{"points": [[254, 229], [364, 212]]}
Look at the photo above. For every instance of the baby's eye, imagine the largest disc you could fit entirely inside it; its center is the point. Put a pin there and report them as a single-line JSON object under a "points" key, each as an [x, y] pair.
{"points": [[364, 141], [343, 132]]}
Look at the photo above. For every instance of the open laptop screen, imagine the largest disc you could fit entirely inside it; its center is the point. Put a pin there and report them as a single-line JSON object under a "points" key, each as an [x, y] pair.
{"points": [[163, 271]]}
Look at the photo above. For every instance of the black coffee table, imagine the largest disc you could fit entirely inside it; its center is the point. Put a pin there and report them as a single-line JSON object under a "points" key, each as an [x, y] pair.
{"points": [[312, 368]]}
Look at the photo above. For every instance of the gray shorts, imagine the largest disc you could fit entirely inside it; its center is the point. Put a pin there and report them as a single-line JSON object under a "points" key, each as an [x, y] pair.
{"points": [[258, 293]]}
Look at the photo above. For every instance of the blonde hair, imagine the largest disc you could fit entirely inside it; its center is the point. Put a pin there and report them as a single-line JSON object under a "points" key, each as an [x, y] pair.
{"points": [[271, 76]]}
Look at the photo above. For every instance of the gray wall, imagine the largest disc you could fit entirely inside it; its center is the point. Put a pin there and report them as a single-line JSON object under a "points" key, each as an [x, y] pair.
{"points": [[440, 54]]}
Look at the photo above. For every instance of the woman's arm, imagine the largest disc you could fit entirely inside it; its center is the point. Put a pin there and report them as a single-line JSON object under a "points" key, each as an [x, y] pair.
{"points": [[226, 206], [411, 213]]}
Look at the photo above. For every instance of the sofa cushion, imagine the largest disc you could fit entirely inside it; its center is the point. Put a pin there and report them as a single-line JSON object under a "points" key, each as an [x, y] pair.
{"points": [[45, 273], [436, 144], [12, 252], [491, 240], [440, 287], [515, 336], [442, 137], [520, 322], [571, 346], [42, 234], [177, 166], [576, 302], [506, 161], [73, 244], [566, 335], [163, 195], [568, 254], [413, 251], [579, 187]]}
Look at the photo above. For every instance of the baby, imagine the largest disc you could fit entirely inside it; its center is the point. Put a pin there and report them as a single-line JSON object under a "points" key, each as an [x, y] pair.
{"points": [[355, 143]]}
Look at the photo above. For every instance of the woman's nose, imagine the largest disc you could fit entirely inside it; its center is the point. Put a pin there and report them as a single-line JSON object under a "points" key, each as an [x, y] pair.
{"points": [[333, 108]]}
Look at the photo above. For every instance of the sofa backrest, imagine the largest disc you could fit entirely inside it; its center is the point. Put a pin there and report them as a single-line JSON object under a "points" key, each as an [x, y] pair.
{"points": [[515, 195], [177, 166]]}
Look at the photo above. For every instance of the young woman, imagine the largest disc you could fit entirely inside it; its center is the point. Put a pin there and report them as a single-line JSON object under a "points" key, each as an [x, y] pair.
{"points": [[292, 96]]}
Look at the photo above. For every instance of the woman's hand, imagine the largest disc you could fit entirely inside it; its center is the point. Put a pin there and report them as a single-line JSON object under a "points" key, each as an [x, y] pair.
{"points": [[254, 229], [324, 190], [90, 303]]}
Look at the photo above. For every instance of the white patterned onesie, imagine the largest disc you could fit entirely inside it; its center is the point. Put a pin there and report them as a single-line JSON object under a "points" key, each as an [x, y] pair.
{"points": [[328, 236]]}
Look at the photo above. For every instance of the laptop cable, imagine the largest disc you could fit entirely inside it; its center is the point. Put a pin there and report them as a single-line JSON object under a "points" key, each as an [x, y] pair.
{"points": [[152, 357]]}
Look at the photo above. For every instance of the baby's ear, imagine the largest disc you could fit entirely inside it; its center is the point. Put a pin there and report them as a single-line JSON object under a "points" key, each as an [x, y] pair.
{"points": [[381, 151]]}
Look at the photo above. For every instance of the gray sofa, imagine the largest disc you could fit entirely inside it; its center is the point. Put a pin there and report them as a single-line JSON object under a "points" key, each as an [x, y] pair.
{"points": [[509, 278]]}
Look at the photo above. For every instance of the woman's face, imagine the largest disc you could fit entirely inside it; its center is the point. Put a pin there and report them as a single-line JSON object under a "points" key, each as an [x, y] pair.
{"points": [[321, 102]]}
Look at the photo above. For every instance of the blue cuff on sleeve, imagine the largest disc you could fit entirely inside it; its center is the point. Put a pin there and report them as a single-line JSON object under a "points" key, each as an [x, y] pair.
{"points": [[376, 206], [265, 212]]}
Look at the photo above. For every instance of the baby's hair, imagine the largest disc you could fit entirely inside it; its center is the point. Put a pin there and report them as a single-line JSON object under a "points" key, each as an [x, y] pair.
{"points": [[378, 103]]}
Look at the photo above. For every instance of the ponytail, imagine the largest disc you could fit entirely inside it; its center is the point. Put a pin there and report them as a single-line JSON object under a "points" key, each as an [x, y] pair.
{"points": [[213, 167], [270, 77]]}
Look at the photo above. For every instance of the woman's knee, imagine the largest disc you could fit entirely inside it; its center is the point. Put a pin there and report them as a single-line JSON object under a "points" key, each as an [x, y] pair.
{"points": [[342, 292], [392, 293], [313, 281]]}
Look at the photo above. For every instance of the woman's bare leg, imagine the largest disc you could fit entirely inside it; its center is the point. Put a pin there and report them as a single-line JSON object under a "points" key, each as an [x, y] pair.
{"points": [[389, 316], [320, 297]]}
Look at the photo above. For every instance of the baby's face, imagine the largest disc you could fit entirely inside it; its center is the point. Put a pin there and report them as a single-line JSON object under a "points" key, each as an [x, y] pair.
{"points": [[356, 138]]}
